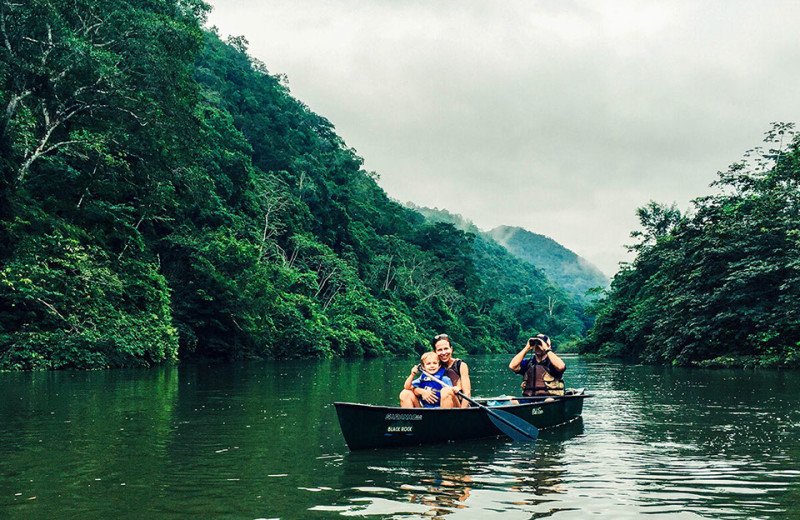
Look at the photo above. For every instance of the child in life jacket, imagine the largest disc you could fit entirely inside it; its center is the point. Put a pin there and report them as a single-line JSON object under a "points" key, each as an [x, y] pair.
{"points": [[430, 393]]}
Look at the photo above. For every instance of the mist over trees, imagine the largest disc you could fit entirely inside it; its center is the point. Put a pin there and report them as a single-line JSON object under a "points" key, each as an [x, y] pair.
{"points": [[720, 285], [567, 269], [163, 197]]}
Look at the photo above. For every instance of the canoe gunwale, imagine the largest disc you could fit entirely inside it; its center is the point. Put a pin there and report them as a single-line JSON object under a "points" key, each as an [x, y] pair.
{"points": [[527, 401]]}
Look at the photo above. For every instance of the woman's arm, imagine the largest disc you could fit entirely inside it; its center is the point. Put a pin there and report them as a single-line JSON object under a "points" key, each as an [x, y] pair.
{"points": [[464, 382]]}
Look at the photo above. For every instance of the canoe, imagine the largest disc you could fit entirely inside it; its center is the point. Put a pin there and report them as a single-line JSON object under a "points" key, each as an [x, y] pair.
{"points": [[366, 426]]}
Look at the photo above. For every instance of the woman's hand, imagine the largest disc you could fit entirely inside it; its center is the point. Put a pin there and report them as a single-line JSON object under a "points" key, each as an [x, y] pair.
{"points": [[428, 395]]}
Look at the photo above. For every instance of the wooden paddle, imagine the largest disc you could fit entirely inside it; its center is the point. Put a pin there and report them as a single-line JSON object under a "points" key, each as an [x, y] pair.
{"points": [[509, 424]]}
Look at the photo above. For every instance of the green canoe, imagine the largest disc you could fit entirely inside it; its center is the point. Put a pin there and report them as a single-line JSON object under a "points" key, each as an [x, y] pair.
{"points": [[366, 426]]}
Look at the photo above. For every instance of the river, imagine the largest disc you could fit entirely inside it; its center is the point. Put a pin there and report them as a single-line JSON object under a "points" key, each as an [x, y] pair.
{"points": [[260, 440]]}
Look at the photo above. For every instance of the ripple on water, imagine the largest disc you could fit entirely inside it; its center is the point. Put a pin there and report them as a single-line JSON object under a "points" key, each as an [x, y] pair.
{"points": [[678, 444]]}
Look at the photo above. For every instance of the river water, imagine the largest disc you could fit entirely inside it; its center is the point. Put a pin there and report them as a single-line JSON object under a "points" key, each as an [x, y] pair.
{"points": [[260, 440]]}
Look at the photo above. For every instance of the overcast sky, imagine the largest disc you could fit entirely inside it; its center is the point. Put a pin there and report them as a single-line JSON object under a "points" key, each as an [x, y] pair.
{"points": [[558, 116]]}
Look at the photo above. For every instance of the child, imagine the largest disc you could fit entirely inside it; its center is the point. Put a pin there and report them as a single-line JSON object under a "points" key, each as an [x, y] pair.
{"points": [[430, 365]]}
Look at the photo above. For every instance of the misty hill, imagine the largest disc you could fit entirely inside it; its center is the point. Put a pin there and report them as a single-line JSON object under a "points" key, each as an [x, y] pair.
{"points": [[523, 286], [570, 271], [442, 215]]}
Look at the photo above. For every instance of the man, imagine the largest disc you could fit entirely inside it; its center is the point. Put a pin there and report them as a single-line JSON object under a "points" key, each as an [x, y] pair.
{"points": [[456, 369], [543, 372]]}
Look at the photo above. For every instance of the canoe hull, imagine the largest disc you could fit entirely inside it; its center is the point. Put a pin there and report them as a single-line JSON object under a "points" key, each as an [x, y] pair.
{"points": [[367, 426]]}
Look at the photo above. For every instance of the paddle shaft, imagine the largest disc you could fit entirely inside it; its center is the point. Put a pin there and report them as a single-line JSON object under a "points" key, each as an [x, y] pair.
{"points": [[487, 409]]}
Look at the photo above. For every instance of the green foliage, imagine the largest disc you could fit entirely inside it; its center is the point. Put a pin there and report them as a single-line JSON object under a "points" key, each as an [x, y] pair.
{"points": [[94, 95], [657, 220], [721, 284], [163, 197], [68, 304]]}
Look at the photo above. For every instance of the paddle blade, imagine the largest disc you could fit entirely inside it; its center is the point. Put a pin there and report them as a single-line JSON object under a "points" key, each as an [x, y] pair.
{"points": [[513, 426]]}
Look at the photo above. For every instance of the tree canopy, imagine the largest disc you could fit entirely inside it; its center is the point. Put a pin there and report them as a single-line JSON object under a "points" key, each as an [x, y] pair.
{"points": [[163, 196], [718, 286]]}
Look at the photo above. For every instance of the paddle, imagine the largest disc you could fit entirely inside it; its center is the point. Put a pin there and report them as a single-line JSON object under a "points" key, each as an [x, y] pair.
{"points": [[509, 424]]}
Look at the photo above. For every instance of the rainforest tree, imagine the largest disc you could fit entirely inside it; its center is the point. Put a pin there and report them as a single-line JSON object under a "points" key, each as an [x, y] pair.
{"points": [[721, 285]]}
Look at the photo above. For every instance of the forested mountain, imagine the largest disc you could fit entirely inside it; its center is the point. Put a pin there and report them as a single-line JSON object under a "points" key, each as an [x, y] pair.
{"points": [[526, 291], [162, 196], [721, 285], [568, 270], [572, 272]]}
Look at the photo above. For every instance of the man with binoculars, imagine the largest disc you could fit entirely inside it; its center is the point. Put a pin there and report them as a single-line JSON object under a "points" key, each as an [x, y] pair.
{"points": [[543, 371]]}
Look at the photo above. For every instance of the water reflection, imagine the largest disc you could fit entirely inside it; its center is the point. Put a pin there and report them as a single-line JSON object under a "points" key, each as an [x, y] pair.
{"points": [[454, 480], [261, 440], [692, 443]]}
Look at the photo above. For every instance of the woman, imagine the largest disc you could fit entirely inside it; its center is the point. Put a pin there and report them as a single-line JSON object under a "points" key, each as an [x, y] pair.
{"points": [[456, 369]]}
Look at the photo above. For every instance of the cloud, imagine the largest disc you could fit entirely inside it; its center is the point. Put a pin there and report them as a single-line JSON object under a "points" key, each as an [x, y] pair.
{"points": [[561, 117]]}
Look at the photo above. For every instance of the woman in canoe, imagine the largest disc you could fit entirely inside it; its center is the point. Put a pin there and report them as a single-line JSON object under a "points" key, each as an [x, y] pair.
{"points": [[456, 369]]}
